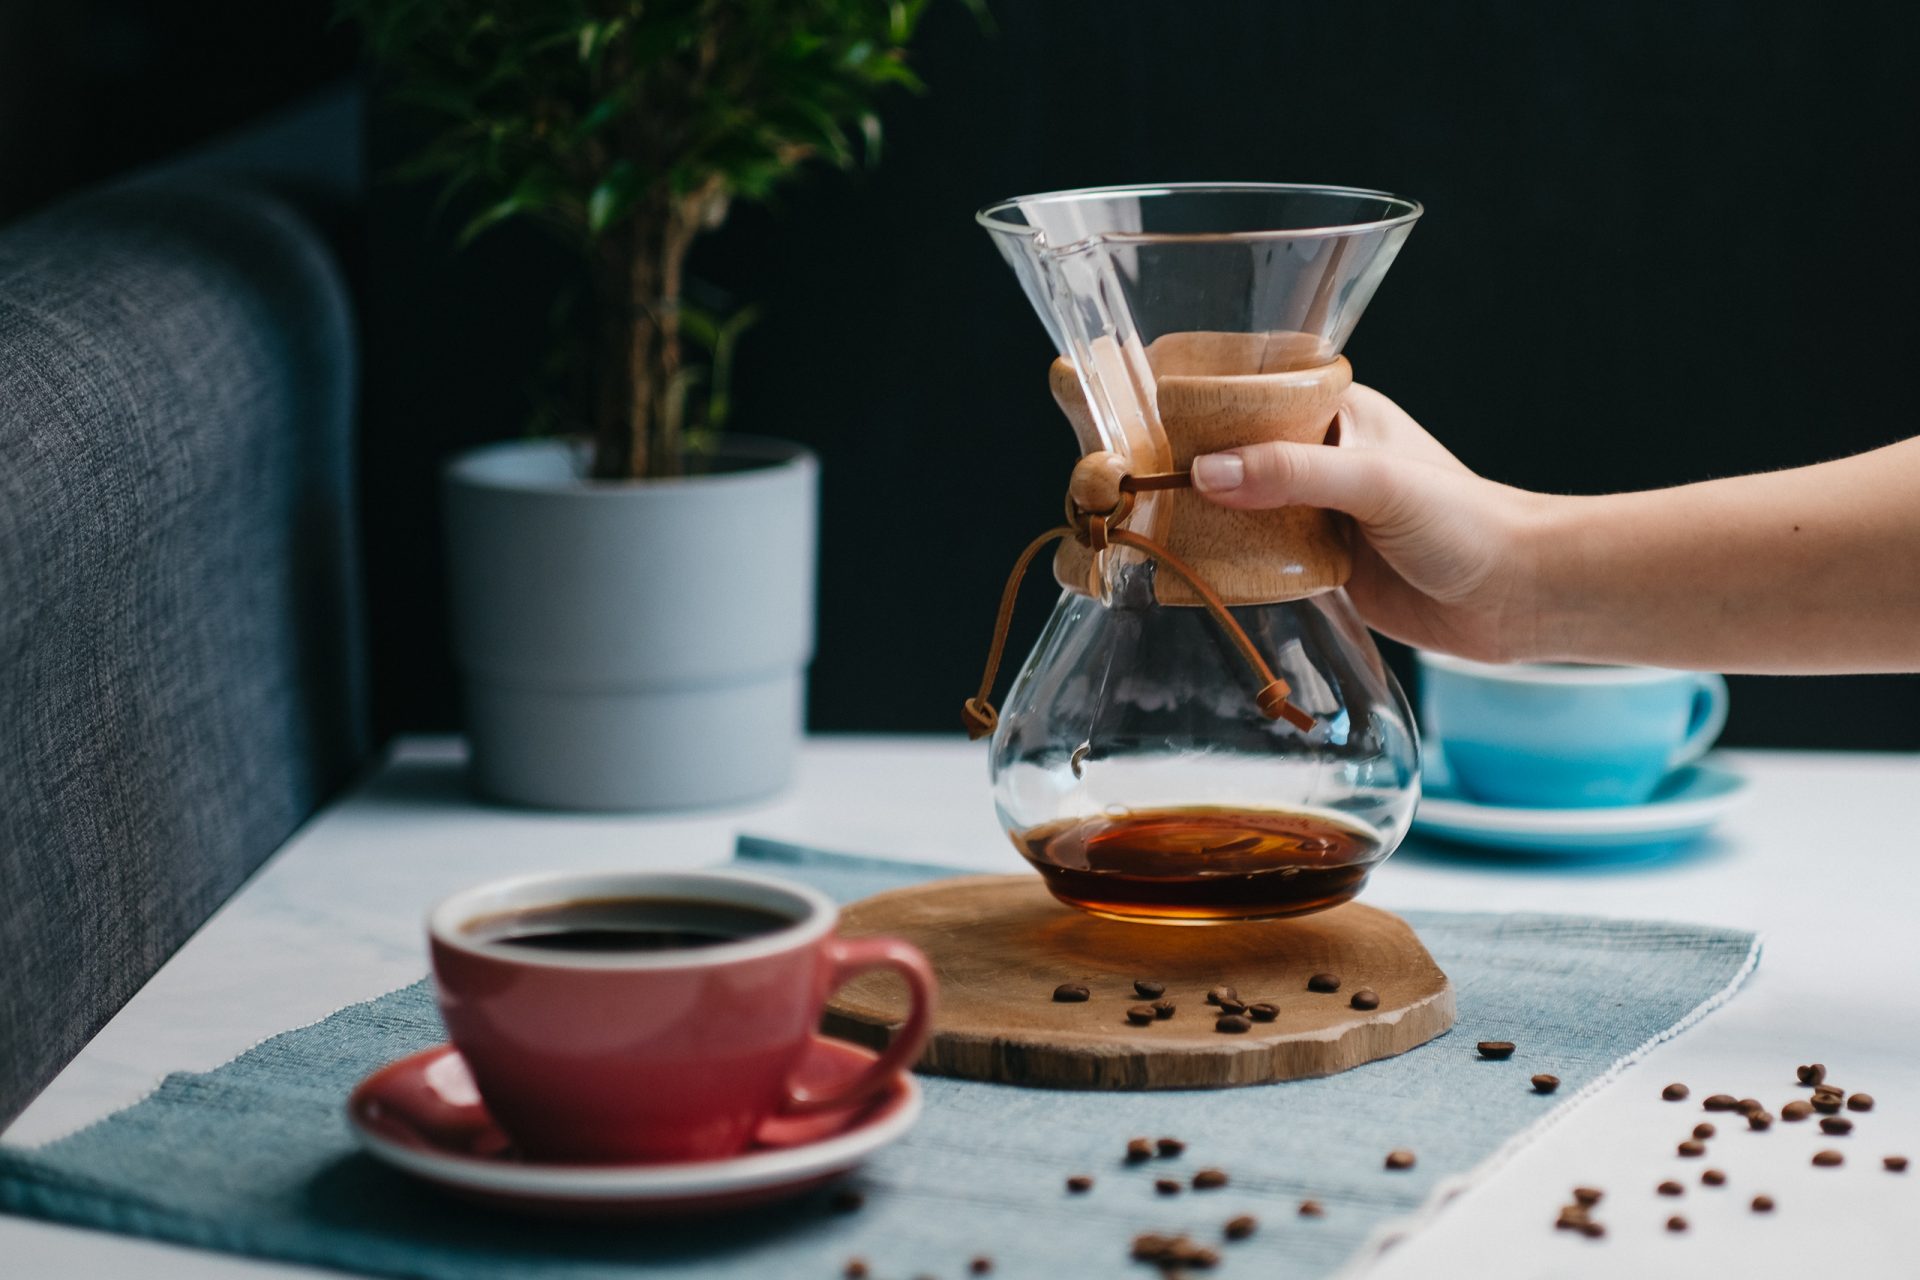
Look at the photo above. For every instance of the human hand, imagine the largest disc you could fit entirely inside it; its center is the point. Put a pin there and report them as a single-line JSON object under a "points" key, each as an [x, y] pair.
{"points": [[1445, 559]]}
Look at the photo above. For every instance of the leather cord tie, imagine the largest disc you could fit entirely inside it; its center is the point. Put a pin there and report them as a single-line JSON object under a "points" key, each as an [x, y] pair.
{"points": [[1102, 479]]}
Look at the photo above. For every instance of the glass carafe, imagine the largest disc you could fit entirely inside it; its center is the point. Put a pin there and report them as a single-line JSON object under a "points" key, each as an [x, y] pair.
{"points": [[1205, 731]]}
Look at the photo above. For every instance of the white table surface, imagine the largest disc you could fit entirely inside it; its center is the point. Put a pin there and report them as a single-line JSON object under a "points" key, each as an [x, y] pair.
{"points": [[1822, 861]]}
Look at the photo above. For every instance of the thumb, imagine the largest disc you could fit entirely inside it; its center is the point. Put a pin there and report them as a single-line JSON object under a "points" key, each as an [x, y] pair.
{"points": [[1359, 482]]}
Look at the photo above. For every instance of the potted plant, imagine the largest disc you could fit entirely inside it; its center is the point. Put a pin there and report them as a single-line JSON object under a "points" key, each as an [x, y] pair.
{"points": [[633, 603]]}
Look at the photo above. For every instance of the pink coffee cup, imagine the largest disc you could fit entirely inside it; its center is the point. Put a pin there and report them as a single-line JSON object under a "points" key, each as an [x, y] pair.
{"points": [[655, 1055]]}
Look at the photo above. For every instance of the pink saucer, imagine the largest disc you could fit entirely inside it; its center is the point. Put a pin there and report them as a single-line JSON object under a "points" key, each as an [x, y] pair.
{"points": [[424, 1116]]}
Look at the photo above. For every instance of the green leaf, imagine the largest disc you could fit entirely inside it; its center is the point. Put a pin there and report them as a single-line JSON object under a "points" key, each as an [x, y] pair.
{"points": [[613, 199]]}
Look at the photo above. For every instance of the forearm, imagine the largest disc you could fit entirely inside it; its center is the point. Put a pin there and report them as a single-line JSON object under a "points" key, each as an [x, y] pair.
{"points": [[1805, 571]]}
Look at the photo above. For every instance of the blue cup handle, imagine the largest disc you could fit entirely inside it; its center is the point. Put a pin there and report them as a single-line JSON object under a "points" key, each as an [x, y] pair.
{"points": [[1709, 717], [1434, 774]]}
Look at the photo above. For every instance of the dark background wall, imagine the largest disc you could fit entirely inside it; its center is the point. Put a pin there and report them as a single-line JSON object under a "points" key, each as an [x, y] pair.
{"points": [[1663, 242]]}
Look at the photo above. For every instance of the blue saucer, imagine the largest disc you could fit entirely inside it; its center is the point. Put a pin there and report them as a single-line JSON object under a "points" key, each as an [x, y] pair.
{"points": [[1684, 808]]}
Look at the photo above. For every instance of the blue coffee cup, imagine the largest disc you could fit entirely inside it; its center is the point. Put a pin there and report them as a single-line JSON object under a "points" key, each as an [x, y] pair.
{"points": [[1562, 736]]}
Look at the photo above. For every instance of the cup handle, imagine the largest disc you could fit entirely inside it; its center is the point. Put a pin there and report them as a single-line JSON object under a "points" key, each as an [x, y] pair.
{"points": [[1708, 718], [848, 957]]}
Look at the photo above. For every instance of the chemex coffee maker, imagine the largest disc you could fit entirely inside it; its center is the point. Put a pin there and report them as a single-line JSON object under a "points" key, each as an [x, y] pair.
{"points": [[1204, 732]]}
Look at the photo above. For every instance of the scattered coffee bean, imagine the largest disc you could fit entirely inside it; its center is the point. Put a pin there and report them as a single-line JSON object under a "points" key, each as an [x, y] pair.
{"points": [[1314, 1209], [1690, 1148], [1838, 1126], [1713, 1177], [1676, 1223], [1216, 994], [856, 1269], [1151, 1246], [1747, 1106], [1231, 1006], [1324, 982], [980, 1266], [1495, 1050], [1365, 998], [1163, 1009], [1593, 1230], [1241, 1227], [1139, 1149], [1209, 1180], [1572, 1218], [1675, 1092], [1827, 1105], [1703, 1131], [1796, 1110], [1811, 1075], [1828, 1091], [1671, 1188], [1763, 1204], [1149, 990], [1070, 993], [1232, 1023], [1894, 1164], [1721, 1102], [1265, 1011], [1400, 1159], [1828, 1159], [1079, 1184], [1760, 1120], [1140, 1015], [1173, 1253], [1587, 1197], [1544, 1083], [1167, 1186], [1169, 1147], [1860, 1102], [846, 1201]]}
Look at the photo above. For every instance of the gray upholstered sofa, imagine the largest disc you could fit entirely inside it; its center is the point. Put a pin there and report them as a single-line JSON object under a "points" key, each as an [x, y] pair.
{"points": [[180, 658]]}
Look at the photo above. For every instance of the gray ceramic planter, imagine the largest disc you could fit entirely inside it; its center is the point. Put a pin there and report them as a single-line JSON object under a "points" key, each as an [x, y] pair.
{"points": [[632, 645]]}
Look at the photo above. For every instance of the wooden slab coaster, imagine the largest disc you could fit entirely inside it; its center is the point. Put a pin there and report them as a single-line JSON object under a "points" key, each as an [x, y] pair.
{"points": [[1001, 944]]}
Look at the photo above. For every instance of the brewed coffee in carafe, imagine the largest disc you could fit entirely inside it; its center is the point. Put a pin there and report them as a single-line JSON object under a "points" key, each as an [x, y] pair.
{"points": [[1205, 731]]}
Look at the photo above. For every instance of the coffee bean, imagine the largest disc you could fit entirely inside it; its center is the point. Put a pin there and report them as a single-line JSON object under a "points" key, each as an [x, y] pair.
{"points": [[1838, 1126], [1167, 1186], [1079, 1184], [1829, 1091], [1231, 1006], [1828, 1159], [1860, 1102], [1690, 1148], [1070, 993], [1671, 1188], [1313, 1208], [1216, 994], [1703, 1131], [1400, 1159], [1365, 999], [1587, 1196], [1713, 1177], [980, 1266], [1324, 982], [1149, 990], [1675, 1092], [1759, 1120], [1676, 1223], [1140, 1015], [1209, 1180], [1241, 1227], [1763, 1204], [1811, 1074], [1151, 1246], [1720, 1102], [1232, 1023], [1163, 1009], [1544, 1083], [1796, 1110], [1495, 1050], [1593, 1230], [856, 1269], [1265, 1011], [1894, 1164], [1827, 1105], [1747, 1106], [1139, 1149], [1203, 1258], [846, 1201], [1169, 1147], [1572, 1217]]}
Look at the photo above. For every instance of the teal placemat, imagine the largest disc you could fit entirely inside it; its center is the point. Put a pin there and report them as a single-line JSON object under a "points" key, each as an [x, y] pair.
{"points": [[254, 1157]]}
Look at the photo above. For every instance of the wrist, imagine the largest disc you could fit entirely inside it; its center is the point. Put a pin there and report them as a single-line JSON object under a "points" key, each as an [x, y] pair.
{"points": [[1552, 601]]}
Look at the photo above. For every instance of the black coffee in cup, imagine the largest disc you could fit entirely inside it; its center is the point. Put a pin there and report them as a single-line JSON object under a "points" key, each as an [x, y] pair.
{"points": [[624, 925]]}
